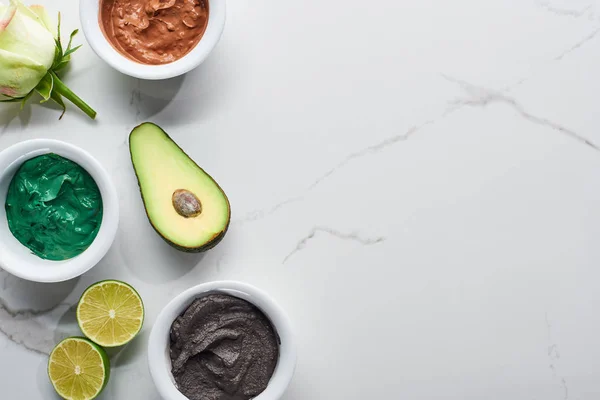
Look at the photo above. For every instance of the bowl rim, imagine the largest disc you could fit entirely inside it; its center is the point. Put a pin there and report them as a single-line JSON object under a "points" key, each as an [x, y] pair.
{"points": [[158, 343], [59, 271], [90, 24]]}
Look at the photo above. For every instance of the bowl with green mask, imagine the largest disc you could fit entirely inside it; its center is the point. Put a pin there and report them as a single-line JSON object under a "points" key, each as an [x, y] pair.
{"points": [[59, 213]]}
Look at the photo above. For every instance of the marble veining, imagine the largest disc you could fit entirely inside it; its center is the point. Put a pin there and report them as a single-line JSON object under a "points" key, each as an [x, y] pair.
{"points": [[22, 327], [478, 97], [577, 45], [426, 167], [355, 237], [259, 214], [575, 13], [481, 97]]}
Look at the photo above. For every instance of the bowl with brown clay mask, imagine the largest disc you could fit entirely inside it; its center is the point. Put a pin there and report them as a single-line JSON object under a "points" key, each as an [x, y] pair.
{"points": [[222, 340], [153, 39]]}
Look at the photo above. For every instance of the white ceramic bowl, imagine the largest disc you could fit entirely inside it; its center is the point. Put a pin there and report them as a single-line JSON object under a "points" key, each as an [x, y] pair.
{"points": [[90, 23], [18, 259], [158, 346]]}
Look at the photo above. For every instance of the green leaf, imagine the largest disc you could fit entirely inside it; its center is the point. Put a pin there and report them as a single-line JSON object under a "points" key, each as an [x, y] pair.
{"points": [[71, 40], [58, 33], [24, 101], [58, 100], [57, 55], [66, 59], [44, 88], [61, 65], [71, 51], [62, 59]]}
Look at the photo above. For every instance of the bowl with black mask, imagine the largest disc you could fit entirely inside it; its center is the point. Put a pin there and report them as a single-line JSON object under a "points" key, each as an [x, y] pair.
{"points": [[222, 340]]}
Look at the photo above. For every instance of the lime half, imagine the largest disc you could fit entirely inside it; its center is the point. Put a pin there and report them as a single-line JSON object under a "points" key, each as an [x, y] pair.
{"points": [[110, 313], [78, 369]]}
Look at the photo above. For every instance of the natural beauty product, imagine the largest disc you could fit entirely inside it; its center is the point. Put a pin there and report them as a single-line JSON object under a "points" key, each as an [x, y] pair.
{"points": [[223, 347], [184, 204], [154, 31], [53, 207]]}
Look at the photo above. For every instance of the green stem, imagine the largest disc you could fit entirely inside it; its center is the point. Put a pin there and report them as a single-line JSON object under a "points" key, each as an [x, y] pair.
{"points": [[62, 89]]}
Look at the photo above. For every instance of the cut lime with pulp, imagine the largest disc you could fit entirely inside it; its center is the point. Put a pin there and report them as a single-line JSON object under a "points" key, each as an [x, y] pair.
{"points": [[78, 369], [110, 313]]}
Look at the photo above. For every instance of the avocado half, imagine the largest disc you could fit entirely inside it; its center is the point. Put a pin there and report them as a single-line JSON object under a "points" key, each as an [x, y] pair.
{"points": [[184, 204]]}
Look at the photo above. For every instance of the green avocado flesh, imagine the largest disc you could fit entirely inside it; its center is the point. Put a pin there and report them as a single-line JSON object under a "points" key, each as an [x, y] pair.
{"points": [[184, 204], [53, 207]]}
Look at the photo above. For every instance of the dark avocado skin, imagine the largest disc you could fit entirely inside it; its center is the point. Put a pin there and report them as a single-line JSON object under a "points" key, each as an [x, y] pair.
{"points": [[217, 238]]}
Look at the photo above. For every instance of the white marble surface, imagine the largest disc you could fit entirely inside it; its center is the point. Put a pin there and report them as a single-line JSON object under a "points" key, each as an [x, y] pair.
{"points": [[416, 182]]}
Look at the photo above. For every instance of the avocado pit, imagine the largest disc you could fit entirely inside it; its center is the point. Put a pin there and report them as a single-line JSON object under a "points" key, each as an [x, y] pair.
{"points": [[186, 203]]}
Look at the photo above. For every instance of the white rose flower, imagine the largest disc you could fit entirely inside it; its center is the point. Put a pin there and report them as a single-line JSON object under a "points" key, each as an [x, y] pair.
{"points": [[31, 54]]}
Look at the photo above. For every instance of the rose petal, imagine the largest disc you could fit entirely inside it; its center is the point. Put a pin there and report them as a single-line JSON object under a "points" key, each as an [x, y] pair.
{"points": [[8, 91], [19, 73], [26, 35], [45, 19], [7, 17]]}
